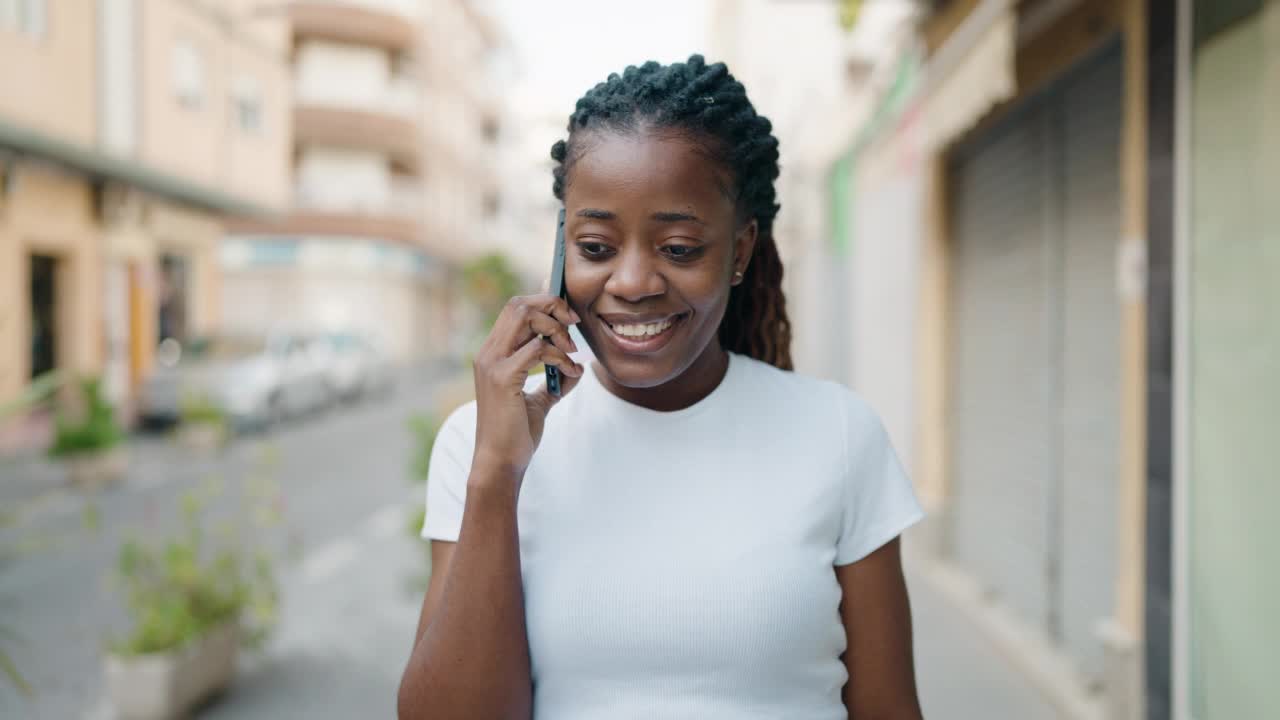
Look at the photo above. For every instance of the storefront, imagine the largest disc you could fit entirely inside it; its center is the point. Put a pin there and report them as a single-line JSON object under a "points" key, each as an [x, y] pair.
{"points": [[160, 279], [1227, 587], [49, 287], [1035, 355]]}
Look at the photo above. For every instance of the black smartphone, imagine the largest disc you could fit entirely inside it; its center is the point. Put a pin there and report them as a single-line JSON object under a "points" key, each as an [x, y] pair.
{"points": [[557, 287]]}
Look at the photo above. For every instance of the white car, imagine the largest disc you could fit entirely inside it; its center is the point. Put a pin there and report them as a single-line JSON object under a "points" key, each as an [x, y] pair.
{"points": [[253, 381], [355, 367]]}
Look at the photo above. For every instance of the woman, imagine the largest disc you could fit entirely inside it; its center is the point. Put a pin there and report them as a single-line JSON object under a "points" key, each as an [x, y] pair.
{"points": [[693, 531]]}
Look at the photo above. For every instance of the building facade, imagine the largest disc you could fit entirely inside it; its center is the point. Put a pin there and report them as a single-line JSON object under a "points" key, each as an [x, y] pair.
{"points": [[1225, 357], [391, 183], [987, 192], [1084, 187], [133, 129]]}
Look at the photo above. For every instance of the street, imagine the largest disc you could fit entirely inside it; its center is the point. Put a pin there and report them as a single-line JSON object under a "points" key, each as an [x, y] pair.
{"points": [[348, 573], [346, 567]]}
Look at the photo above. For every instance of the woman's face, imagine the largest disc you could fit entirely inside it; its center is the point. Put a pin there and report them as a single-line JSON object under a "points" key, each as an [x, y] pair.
{"points": [[652, 245]]}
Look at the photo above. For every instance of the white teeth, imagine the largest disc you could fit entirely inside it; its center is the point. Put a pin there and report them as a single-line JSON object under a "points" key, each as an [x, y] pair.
{"points": [[642, 330]]}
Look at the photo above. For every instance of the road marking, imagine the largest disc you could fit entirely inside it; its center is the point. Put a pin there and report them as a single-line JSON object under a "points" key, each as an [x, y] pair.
{"points": [[385, 522], [329, 559]]}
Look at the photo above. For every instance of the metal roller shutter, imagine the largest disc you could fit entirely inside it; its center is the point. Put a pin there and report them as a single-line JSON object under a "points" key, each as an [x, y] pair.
{"points": [[1000, 375], [1035, 356], [1090, 133]]}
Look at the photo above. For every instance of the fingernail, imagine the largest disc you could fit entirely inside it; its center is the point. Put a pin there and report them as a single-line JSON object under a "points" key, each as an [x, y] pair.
{"points": [[576, 318], [573, 346]]}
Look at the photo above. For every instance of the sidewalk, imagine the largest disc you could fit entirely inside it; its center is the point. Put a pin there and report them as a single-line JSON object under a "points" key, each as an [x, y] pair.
{"points": [[961, 675], [28, 478]]}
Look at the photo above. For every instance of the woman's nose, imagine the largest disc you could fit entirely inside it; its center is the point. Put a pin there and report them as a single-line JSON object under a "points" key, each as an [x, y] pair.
{"points": [[635, 278]]}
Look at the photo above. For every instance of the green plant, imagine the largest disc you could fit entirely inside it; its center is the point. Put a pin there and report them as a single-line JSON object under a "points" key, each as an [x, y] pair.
{"points": [[424, 429], [488, 283], [199, 409], [850, 11], [37, 393], [178, 590], [9, 667], [8, 636], [90, 427]]}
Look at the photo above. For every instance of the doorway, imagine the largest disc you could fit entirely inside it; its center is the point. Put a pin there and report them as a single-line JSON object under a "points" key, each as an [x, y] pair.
{"points": [[174, 291], [44, 314]]}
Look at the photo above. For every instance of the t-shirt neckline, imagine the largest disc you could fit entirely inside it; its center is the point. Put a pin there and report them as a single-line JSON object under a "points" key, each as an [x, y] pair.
{"points": [[639, 411]]}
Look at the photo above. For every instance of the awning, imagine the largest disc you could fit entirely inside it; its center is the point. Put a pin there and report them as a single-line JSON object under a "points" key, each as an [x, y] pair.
{"points": [[973, 71]]}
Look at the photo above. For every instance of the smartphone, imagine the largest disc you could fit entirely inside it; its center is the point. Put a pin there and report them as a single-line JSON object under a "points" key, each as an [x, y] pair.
{"points": [[557, 287]]}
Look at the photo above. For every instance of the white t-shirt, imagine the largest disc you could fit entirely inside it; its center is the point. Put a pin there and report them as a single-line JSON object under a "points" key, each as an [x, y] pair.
{"points": [[680, 564]]}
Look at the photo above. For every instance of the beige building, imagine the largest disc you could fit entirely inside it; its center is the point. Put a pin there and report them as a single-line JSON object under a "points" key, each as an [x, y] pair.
{"points": [[392, 132], [133, 127]]}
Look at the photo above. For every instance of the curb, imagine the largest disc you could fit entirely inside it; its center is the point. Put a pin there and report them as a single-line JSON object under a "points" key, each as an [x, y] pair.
{"points": [[1029, 652]]}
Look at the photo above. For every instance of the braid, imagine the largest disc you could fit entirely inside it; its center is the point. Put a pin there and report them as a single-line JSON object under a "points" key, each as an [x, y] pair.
{"points": [[707, 101]]}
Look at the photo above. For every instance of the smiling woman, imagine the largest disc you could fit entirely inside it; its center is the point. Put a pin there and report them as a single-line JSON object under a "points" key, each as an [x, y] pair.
{"points": [[696, 531]]}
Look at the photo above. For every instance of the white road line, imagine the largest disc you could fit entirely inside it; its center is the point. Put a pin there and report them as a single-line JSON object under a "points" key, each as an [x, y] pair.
{"points": [[385, 522], [329, 559]]}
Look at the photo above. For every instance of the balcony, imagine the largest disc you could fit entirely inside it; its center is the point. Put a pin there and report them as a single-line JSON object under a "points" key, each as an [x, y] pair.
{"points": [[357, 22], [379, 129], [396, 216]]}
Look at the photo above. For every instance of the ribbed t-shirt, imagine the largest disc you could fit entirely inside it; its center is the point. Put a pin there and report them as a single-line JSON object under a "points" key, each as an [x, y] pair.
{"points": [[681, 564]]}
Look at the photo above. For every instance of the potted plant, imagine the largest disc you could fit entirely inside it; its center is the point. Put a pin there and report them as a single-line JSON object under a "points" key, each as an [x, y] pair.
{"points": [[192, 607], [203, 425], [89, 440]]}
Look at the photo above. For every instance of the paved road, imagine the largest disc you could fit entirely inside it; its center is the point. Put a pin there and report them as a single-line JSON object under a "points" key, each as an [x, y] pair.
{"points": [[343, 478], [349, 606]]}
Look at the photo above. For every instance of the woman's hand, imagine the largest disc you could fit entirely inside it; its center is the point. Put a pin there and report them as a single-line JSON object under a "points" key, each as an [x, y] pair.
{"points": [[509, 421]]}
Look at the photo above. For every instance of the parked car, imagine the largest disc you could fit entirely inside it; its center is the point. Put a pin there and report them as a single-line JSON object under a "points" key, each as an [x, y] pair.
{"points": [[356, 368], [253, 380]]}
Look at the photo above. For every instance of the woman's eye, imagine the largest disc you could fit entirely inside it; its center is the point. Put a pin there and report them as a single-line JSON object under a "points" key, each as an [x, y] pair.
{"points": [[682, 252], [594, 249]]}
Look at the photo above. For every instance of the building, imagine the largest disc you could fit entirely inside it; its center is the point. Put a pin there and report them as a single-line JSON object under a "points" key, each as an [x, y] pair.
{"points": [[133, 128], [817, 95], [392, 186], [1214, 266], [1001, 181], [1075, 196]]}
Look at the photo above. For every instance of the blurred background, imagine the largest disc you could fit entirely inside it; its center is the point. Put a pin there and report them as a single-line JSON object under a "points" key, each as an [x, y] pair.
{"points": [[247, 247]]}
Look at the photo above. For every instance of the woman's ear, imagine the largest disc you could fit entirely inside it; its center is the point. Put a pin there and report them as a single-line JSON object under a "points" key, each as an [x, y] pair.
{"points": [[744, 244]]}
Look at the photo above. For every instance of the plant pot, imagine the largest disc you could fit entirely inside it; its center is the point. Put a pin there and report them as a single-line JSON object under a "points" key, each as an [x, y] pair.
{"points": [[202, 436], [96, 469], [161, 686]]}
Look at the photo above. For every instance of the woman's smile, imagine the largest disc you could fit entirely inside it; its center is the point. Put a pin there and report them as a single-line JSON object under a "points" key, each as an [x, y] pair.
{"points": [[640, 334]]}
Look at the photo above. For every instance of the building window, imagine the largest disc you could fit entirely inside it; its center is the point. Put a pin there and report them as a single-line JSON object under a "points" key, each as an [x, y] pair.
{"points": [[188, 76], [492, 205], [246, 105], [489, 128], [29, 17]]}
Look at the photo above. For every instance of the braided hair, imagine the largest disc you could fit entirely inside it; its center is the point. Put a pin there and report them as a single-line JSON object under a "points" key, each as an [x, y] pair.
{"points": [[708, 103]]}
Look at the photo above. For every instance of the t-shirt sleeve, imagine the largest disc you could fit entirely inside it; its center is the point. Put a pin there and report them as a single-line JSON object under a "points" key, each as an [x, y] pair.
{"points": [[447, 474], [879, 502]]}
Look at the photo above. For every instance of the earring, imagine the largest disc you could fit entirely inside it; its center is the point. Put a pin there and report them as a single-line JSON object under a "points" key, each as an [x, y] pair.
{"points": [[737, 276]]}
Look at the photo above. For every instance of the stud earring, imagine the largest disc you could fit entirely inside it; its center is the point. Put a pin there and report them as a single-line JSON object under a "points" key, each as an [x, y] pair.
{"points": [[737, 276]]}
